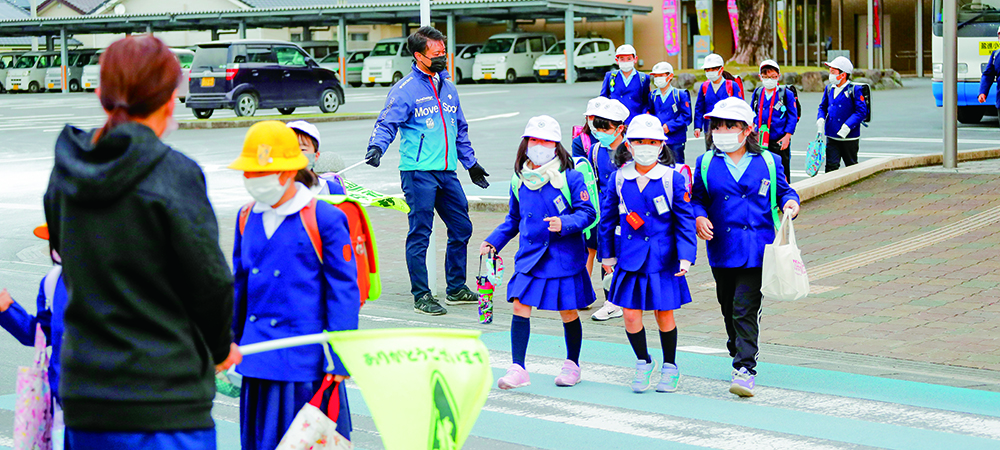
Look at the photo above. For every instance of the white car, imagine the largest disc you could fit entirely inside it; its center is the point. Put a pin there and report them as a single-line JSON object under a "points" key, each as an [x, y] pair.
{"points": [[355, 63], [6, 61], [593, 57], [463, 62], [74, 71], [388, 63], [28, 73], [509, 56], [91, 77]]}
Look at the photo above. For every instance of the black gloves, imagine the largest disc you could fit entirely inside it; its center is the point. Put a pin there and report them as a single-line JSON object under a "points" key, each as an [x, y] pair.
{"points": [[374, 156], [478, 175]]}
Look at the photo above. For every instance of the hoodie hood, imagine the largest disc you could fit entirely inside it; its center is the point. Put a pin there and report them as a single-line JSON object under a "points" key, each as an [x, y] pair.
{"points": [[102, 172]]}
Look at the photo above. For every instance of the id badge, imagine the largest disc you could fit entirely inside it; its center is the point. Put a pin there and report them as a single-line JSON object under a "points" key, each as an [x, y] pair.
{"points": [[675, 107], [621, 208], [634, 220], [764, 186], [661, 205], [560, 204]]}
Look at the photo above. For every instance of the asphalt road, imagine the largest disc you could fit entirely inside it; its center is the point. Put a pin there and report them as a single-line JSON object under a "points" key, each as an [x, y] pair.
{"points": [[904, 122]]}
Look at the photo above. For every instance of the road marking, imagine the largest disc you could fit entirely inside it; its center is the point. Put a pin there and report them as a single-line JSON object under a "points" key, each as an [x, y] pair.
{"points": [[702, 350], [929, 140], [498, 116]]}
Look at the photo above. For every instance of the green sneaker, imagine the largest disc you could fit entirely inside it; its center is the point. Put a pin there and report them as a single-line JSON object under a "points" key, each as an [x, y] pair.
{"points": [[427, 304], [462, 297], [643, 371], [670, 376]]}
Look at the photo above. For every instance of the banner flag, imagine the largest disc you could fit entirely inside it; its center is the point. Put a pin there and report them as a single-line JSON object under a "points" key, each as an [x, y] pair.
{"points": [[368, 197], [734, 20], [704, 8], [782, 31], [670, 27]]}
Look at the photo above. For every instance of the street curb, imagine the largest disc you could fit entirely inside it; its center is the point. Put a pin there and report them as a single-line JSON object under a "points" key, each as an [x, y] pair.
{"points": [[819, 185], [246, 123]]}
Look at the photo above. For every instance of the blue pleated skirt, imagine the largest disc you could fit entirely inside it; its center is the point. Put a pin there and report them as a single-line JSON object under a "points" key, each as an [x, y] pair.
{"points": [[660, 291], [267, 409], [156, 440], [552, 294]]}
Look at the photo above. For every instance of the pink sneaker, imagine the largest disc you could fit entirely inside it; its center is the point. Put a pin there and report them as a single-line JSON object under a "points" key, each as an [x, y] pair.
{"points": [[516, 377], [570, 374]]}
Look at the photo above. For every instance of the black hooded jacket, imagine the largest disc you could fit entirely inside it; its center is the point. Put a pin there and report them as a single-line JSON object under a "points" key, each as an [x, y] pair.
{"points": [[150, 293]]}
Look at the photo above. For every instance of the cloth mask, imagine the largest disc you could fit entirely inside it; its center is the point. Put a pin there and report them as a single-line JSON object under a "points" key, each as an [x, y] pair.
{"points": [[266, 189], [769, 83], [645, 155], [626, 66], [540, 154], [548, 173], [312, 160], [438, 63], [714, 75], [728, 142], [606, 139], [660, 82], [171, 127], [835, 79]]}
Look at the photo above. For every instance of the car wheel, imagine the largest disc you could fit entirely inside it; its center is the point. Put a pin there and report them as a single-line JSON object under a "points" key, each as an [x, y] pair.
{"points": [[396, 77], [246, 105], [511, 77], [458, 76], [33, 87], [970, 115], [356, 84], [369, 84], [202, 113], [286, 111], [329, 101], [74, 86], [385, 84]]}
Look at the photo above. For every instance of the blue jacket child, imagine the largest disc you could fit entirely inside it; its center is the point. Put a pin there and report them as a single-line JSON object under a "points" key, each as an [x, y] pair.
{"points": [[844, 106], [708, 96], [778, 110], [674, 111], [632, 91]]}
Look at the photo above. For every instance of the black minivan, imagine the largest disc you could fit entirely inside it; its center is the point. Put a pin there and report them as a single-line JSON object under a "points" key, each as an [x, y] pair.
{"points": [[246, 75]]}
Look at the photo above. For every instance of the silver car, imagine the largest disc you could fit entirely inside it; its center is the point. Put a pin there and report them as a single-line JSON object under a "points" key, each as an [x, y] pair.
{"points": [[355, 62], [466, 56]]}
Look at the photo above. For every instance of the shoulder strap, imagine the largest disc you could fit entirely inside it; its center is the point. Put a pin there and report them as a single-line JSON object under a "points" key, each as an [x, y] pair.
{"points": [[515, 186], [668, 187], [705, 160], [244, 215], [594, 151], [704, 88], [308, 216], [565, 189], [585, 139], [729, 88], [772, 173], [619, 182]]}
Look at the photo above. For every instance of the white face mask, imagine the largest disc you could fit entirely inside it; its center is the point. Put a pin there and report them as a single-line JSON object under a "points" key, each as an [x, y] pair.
{"points": [[645, 155], [172, 126], [728, 142], [714, 75], [266, 189], [835, 79], [769, 83], [660, 82], [626, 66], [312, 160], [540, 154]]}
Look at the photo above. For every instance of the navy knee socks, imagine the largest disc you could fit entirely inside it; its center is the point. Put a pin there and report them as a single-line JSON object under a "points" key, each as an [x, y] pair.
{"points": [[638, 341], [520, 330], [668, 342], [574, 339]]}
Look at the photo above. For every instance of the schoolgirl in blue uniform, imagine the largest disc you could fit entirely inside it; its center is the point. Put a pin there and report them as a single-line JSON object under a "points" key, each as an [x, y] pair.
{"points": [[584, 141], [734, 200], [293, 276], [713, 91], [672, 107], [649, 243], [549, 208], [627, 85], [51, 308]]}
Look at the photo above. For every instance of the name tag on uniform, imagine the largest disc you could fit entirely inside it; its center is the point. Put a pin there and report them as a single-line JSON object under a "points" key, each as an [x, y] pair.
{"points": [[764, 186], [661, 205], [560, 204], [621, 208], [618, 230], [675, 107]]}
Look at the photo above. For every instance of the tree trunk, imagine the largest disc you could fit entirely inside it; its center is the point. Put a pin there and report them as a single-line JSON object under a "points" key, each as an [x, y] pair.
{"points": [[756, 32]]}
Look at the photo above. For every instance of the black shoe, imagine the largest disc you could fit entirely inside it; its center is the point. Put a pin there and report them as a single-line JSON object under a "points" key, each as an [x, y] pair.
{"points": [[462, 297], [427, 304]]}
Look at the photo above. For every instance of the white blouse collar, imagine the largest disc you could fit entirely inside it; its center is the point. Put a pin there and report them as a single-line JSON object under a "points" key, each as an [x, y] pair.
{"points": [[657, 172]]}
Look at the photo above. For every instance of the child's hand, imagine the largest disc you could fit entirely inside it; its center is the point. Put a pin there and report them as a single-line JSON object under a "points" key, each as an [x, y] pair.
{"points": [[486, 248], [555, 224], [5, 300], [339, 378], [704, 227], [685, 266], [234, 358]]}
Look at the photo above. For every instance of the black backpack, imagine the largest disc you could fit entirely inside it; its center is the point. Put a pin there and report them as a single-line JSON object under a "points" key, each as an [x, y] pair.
{"points": [[866, 96], [781, 94]]}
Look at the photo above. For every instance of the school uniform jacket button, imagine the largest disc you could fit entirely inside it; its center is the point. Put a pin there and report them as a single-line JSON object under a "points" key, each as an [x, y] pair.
{"points": [[630, 236], [727, 229], [255, 271], [744, 227], [253, 318], [274, 322], [277, 273], [646, 238], [647, 213], [727, 197], [744, 196]]}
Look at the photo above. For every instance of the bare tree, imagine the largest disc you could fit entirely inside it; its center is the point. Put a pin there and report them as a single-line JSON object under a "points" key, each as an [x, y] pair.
{"points": [[755, 31]]}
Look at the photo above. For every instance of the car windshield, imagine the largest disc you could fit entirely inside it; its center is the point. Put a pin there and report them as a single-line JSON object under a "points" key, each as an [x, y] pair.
{"points": [[94, 60], [557, 49], [331, 58], [26, 62], [386, 49], [498, 45], [210, 58], [185, 59]]}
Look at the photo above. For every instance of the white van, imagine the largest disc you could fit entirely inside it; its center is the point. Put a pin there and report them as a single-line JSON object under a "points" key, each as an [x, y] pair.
{"points": [[28, 73], [92, 73], [509, 56], [78, 59], [388, 63], [6, 62], [593, 57]]}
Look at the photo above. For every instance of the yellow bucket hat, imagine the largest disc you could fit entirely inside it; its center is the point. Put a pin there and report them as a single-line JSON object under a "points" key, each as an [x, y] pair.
{"points": [[270, 146]]}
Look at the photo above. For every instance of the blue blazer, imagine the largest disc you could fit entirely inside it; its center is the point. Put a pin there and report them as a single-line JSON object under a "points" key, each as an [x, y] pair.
{"points": [[847, 108], [542, 253], [707, 98], [783, 115], [674, 112], [990, 74], [740, 216], [663, 239], [20, 324], [635, 96], [282, 291]]}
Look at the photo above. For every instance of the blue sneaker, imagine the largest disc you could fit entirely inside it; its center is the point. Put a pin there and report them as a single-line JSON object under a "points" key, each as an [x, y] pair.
{"points": [[643, 372], [743, 383], [670, 376]]}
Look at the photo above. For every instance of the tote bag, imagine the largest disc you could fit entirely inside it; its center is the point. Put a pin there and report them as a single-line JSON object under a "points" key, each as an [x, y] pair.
{"points": [[784, 274], [313, 430], [815, 155], [33, 410]]}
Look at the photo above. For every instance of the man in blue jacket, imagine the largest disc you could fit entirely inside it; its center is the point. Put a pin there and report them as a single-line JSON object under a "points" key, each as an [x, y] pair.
{"points": [[841, 112], [990, 74], [627, 85], [424, 108]]}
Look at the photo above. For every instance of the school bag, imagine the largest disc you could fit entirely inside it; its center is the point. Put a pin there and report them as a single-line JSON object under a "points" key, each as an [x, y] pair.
{"points": [[589, 179], [755, 99], [362, 239], [815, 155], [584, 137], [771, 172], [865, 94]]}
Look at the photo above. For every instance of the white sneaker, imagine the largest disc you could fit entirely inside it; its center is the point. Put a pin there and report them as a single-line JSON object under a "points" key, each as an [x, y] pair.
{"points": [[608, 311]]}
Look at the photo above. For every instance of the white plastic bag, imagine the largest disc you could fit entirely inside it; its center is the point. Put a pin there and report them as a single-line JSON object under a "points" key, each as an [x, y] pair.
{"points": [[784, 273]]}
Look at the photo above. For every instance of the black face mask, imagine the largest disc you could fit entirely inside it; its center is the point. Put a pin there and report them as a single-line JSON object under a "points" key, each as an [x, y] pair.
{"points": [[438, 63]]}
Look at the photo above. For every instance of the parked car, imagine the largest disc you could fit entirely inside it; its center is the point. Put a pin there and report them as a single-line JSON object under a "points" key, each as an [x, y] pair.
{"points": [[509, 56], [91, 77], [592, 58], [77, 60], [6, 62], [246, 75], [466, 56], [355, 63], [28, 73], [185, 57], [387, 63]]}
